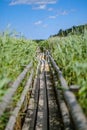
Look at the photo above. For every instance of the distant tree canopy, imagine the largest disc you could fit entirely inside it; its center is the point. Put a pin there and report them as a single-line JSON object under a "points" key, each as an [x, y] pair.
{"points": [[74, 30]]}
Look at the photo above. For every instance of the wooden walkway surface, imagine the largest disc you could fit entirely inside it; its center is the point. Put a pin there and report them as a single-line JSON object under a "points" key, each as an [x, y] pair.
{"points": [[47, 103]]}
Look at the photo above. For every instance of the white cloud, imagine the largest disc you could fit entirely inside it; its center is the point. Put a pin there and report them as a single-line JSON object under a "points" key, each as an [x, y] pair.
{"points": [[62, 12], [52, 17], [40, 2], [59, 13], [38, 22], [41, 7]]}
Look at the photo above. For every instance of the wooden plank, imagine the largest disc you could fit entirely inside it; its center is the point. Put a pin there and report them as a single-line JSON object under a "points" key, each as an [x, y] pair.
{"points": [[12, 120], [39, 122], [54, 115], [62, 80], [74, 88], [45, 113], [76, 112], [29, 122], [42, 115], [61, 103], [36, 99], [10, 92]]}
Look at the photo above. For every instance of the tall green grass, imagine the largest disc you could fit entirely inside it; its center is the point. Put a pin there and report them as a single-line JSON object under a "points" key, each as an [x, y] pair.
{"points": [[70, 53], [15, 54]]}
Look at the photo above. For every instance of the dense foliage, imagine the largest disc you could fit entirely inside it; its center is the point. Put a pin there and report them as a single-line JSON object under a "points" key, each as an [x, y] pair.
{"points": [[70, 53], [15, 54], [78, 30]]}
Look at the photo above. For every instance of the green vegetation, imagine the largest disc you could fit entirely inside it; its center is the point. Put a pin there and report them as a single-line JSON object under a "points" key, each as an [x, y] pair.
{"points": [[70, 53], [78, 30], [15, 54], [4, 119]]}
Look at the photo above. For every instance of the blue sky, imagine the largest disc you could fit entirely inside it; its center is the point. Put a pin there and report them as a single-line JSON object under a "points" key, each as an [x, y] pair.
{"points": [[38, 19]]}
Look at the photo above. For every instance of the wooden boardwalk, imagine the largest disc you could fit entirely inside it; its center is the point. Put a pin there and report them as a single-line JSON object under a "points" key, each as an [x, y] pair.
{"points": [[49, 104]]}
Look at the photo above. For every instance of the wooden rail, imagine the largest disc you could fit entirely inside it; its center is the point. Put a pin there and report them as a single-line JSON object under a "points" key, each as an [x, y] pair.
{"points": [[12, 120], [30, 123], [62, 105], [8, 96], [76, 112]]}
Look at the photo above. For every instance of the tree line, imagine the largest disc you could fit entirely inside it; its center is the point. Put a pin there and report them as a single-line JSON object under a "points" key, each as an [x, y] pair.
{"points": [[73, 30]]}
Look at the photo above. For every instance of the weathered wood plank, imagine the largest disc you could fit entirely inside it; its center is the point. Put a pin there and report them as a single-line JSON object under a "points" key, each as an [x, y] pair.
{"points": [[74, 88], [61, 103], [33, 104], [54, 117], [8, 96], [76, 112], [12, 120], [35, 98], [42, 115]]}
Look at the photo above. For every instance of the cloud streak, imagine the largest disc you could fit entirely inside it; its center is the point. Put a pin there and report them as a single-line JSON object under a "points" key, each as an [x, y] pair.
{"points": [[40, 2], [52, 17], [64, 12], [61, 13], [38, 22], [40, 7]]}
